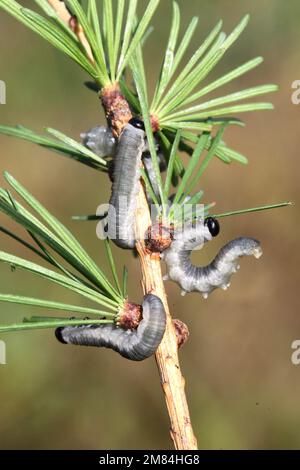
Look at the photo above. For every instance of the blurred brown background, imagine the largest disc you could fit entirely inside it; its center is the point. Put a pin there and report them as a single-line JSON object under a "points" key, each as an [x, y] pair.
{"points": [[242, 388]]}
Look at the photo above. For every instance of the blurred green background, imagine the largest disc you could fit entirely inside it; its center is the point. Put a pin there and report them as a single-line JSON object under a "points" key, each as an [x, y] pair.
{"points": [[242, 388]]}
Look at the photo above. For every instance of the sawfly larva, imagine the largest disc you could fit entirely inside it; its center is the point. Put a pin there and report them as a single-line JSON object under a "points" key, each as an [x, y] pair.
{"points": [[125, 187], [135, 345], [216, 274], [125, 171]]}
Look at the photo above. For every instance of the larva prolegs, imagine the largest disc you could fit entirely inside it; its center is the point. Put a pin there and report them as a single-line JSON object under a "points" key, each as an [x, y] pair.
{"points": [[218, 273]]}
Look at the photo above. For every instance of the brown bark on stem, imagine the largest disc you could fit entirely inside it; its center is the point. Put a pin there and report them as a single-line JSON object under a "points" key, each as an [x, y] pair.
{"points": [[167, 360], [117, 110], [70, 21], [61, 10]]}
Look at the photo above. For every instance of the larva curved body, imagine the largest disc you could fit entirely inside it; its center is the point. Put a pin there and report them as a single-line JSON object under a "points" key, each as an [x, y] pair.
{"points": [[125, 187], [100, 140], [135, 345], [217, 273]]}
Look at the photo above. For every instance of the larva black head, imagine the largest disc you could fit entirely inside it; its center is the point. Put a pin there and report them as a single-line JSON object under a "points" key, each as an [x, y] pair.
{"points": [[212, 225], [58, 334], [138, 123]]}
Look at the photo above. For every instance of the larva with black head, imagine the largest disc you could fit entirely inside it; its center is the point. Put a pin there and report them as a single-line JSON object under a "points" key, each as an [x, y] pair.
{"points": [[125, 187], [135, 345], [216, 274], [130, 152]]}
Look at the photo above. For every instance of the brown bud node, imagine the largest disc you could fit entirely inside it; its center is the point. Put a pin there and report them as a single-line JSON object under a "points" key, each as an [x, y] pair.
{"points": [[182, 332], [154, 123], [159, 237], [116, 108], [130, 316], [73, 23]]}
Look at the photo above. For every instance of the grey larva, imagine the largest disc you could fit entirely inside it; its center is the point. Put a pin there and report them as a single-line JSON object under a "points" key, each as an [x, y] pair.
{"points": [[125, 187], [135, 345], [218, 272], [100, 140]]}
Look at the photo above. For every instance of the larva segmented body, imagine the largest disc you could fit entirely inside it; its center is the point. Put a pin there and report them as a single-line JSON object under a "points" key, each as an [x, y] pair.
{"points": [[125, 187], [218, 273], [135, 345]]}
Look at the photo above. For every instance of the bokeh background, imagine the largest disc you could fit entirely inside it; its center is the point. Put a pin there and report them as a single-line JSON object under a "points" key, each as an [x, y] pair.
{"points": [[242, 388]]}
